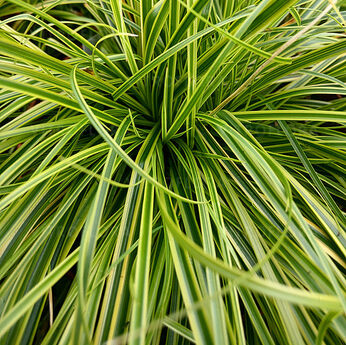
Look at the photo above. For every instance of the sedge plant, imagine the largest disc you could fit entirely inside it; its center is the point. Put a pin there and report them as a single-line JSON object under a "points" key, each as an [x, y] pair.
{"points": [[171, 172]]}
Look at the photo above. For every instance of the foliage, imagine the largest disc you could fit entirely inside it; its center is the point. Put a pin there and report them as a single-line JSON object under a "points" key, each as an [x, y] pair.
{"points": [[171, 172]]}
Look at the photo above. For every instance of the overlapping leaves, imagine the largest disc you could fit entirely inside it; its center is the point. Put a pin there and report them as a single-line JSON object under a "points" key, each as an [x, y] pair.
{"points": [[172, 172]]}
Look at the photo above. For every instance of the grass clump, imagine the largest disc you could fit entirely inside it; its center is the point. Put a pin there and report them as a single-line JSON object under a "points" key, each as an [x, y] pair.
{"points": [[171, 172]]}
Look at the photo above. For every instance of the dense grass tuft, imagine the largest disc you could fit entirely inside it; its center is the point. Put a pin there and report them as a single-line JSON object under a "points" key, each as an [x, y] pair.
{"points": [[171, 172]]}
